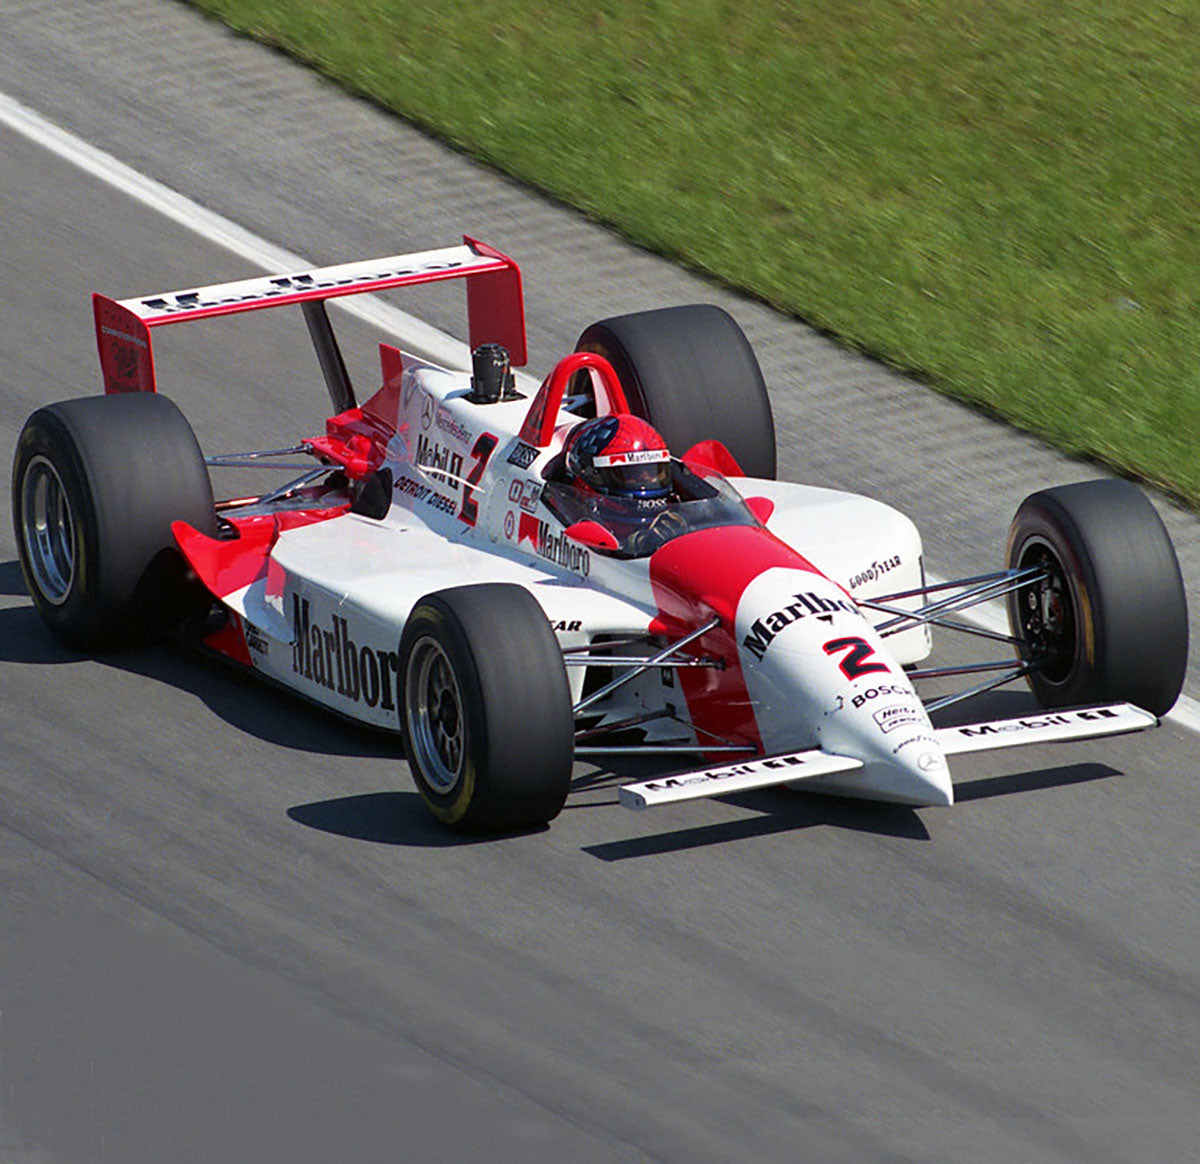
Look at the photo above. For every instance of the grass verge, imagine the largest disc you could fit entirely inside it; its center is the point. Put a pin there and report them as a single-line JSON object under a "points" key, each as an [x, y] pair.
{"points": [[996, 196]]}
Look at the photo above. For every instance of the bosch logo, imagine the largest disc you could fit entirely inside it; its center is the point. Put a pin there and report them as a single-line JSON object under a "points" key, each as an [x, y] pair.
{"points": [[876, 692]]}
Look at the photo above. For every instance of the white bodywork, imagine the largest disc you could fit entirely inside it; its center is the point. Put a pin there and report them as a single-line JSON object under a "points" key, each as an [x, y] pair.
{"points": [[345, 587], [326, 618], [754, 625]]}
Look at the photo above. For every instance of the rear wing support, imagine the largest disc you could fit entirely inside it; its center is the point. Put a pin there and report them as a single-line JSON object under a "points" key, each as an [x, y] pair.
{"points": [[329, 355], [495, 309]]}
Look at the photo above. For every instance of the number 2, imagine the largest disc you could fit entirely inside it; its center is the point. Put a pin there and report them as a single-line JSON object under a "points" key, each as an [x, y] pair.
{"points": [[854, 665], [484, 447]]}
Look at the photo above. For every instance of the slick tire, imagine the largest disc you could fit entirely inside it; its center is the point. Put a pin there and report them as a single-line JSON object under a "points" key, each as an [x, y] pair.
{"points": [[1108, 621], [96, 484], [691, 372], [486, 712]]}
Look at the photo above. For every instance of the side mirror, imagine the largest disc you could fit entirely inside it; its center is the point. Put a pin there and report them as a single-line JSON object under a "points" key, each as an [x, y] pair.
{"points": [[761, 507], [591, 534]]}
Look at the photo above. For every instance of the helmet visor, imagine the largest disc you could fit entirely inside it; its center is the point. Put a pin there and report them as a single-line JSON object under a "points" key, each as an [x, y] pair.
{"points": [[640, 479]]}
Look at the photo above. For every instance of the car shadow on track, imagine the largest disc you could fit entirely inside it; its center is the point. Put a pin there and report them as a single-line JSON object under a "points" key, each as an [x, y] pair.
{"points": [[242, 701], [1002, 704], [1037, 780], [253, 705], [781, 812], [12, 582], [785, 811], [383, 818], [25, 639]]}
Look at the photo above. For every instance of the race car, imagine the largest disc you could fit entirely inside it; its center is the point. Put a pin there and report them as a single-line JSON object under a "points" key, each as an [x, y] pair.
{"points": [[604, 565]]}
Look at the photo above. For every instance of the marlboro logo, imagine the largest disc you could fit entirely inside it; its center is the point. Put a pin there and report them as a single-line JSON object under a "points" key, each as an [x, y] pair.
{"points": [[807, 605], [328, 655], [554, 547]]}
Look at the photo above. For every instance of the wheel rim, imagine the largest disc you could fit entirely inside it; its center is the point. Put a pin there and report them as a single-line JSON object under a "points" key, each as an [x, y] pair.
{"points": [[48, 529], [1046, 612], [434, 711]]}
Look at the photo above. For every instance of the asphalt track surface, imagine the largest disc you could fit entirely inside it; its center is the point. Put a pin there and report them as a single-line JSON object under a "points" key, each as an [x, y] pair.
{"points": [[229, 931]]}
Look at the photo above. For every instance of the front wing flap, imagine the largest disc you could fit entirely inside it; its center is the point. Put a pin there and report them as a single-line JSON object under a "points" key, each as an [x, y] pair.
{"points": [[1045, 727], [740, 777]]}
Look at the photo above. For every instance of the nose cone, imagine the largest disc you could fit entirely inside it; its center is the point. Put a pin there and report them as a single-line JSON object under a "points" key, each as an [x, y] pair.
{"points": [[890, 732], [814, 666], [940, 787], [923, 782], [912, 771], [920, 779]]}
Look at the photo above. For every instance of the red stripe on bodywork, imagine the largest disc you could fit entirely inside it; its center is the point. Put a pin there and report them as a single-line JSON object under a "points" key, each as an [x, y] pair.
{"points": [[230, 641], [702, 574], [226, 566], [384, 406]]}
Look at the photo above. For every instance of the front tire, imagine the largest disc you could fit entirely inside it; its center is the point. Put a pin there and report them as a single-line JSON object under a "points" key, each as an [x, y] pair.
{"points": [[691, 372], [96, 484], [486, 716], [1107, 621]]}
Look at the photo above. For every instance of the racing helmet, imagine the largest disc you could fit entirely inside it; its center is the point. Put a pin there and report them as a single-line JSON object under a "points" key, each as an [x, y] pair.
{"points": [[620, 456]]}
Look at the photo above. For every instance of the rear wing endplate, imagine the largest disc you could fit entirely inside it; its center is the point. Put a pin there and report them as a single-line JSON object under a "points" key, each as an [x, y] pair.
{"points": [[495, 305]]}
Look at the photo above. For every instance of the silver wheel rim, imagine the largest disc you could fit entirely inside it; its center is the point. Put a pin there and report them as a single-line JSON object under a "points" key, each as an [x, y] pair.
{"points": [[434, 711], [49, 531]]}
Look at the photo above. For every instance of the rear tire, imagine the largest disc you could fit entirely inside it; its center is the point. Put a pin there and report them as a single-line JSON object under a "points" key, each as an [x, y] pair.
{"points": [[96, 485], [486, 714], [691, 372], [1109, 622]]}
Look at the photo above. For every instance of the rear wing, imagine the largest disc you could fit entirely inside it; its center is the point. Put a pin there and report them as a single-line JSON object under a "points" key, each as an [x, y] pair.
{"points": [[495, 307]]}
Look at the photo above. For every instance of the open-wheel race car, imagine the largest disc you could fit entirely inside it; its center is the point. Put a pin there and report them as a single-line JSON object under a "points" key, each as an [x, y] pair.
{"points": [[606, 565]]}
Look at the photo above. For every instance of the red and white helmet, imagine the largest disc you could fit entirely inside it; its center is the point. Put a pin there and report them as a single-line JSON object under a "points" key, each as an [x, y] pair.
{"points": [[621, 456]]}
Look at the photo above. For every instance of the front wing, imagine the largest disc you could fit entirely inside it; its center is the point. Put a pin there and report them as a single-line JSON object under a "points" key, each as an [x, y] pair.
{"points": [[795, 768]]}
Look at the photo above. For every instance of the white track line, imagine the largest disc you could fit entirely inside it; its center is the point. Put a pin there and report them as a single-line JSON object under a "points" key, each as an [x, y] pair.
{"points": [[419, 337], [422, 340]]}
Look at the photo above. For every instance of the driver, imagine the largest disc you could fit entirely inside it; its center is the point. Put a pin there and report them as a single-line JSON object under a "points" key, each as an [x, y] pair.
{"points": [[623, 458]]}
